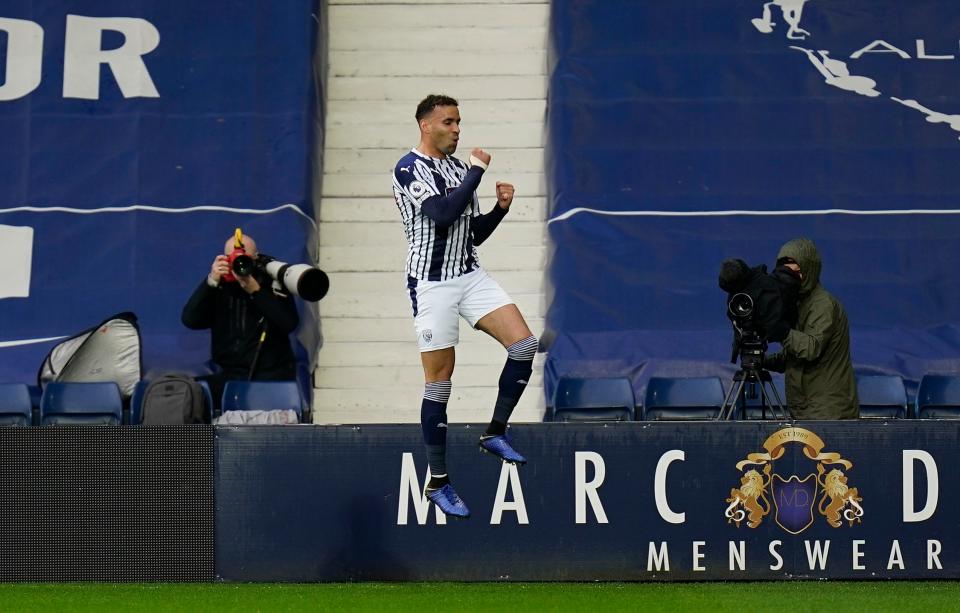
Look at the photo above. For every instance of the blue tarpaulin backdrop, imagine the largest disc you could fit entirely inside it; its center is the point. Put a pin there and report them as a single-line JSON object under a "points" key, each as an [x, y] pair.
{"points": [[665, 118], [231, 127]]}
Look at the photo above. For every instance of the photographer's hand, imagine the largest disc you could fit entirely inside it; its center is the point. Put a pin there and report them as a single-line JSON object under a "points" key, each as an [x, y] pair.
{"points": [[219, 268], [777, 362], [249, 284]]}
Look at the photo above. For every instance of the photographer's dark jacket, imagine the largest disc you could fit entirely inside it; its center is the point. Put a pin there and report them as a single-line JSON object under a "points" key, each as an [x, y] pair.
{"points": [[237, 319], [816, 353]]}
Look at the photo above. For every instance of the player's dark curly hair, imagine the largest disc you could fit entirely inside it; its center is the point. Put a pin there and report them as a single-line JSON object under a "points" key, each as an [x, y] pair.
{"points": [[431, 102]]}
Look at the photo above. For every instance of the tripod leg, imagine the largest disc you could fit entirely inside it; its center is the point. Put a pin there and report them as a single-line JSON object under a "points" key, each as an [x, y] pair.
{"points": [[772, 398], [730, 402], [780, 405], [724, 413]]}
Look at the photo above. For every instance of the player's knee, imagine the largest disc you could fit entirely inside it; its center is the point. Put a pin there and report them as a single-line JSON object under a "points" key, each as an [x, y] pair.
{"points": [[523, 350], [438, 373], [437, 391]]}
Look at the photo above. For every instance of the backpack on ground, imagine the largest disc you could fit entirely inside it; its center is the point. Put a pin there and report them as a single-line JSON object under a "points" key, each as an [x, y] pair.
{"points": [[172, 399]]}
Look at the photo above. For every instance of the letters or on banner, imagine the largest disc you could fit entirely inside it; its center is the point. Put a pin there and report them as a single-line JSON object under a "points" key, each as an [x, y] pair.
{"points": [[614, 502]]}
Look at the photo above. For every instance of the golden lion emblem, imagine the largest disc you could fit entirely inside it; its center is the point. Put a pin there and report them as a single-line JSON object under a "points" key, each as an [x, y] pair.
{"points": [[843, 500], [749, 501]]}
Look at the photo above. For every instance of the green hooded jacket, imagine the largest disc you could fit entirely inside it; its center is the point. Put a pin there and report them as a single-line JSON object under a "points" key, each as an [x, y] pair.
{"points": [[816, 353]]}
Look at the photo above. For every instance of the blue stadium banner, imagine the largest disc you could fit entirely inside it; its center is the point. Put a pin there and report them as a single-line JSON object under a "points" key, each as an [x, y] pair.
{"points": [[685, 133], [619, 501], [136, 137]]}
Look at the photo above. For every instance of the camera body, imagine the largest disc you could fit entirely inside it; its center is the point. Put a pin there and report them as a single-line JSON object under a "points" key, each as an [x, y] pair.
{"points": [[748, 342], [761, 307], [241, 265]]}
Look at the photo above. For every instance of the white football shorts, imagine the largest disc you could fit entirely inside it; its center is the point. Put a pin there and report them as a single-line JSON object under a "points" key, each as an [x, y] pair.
{"points": [[437, 306]]}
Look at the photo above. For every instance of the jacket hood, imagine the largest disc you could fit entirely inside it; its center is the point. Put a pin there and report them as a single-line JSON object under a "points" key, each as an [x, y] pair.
{"points": [[804, 253]]}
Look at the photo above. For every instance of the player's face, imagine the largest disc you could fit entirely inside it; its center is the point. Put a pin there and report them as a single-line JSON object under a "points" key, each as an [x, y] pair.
{"points": [[443, 128]]}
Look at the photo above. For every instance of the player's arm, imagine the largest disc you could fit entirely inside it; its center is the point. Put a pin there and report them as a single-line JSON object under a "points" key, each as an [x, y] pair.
{"points": [[445, 209], [482, 226]]}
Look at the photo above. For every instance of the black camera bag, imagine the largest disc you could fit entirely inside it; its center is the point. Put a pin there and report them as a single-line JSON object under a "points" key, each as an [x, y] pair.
{"points": [[172, 399]]}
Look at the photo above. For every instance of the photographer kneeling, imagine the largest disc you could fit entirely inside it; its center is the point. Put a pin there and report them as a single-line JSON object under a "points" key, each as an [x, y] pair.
{"points": [[249, 317], [816, 351]]}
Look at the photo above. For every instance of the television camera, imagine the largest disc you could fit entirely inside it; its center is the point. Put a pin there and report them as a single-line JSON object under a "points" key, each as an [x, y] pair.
{"points": [[761, 308]]}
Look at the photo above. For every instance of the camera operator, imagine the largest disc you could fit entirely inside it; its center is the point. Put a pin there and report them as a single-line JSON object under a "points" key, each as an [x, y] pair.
{"points": [[816, 351], [249, 318]]}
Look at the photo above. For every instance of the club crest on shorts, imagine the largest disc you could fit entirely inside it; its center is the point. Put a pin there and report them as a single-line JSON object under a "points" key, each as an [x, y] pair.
{"points": [[793, 498], [427, 336]]}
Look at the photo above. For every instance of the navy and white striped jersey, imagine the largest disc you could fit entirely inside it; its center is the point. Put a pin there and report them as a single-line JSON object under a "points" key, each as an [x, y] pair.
{"points": [[435, 253]]}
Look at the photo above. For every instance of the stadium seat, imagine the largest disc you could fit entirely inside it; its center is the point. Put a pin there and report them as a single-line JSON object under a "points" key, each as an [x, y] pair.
{"points": [[593, 399], [134, 415], [207, 397], [691, 398], [65, 403], [262, 396], [938, 397], [15, 407], [882, 396], [35, 394]]}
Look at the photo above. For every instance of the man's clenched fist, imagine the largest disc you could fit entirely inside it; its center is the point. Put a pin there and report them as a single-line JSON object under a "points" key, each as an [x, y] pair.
{"points": [[504, 195], [481, 155]]}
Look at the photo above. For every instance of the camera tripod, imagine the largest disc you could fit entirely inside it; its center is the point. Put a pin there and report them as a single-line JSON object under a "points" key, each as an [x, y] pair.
{"points": [[752, 349], [738, 394]]}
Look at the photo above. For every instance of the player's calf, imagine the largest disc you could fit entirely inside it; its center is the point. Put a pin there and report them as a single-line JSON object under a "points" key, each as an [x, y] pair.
{"points": [[513, 380]]}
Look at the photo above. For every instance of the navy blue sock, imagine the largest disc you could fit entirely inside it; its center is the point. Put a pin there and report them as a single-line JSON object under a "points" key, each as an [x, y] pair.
{"points": [[433, 420], [513, 380]]}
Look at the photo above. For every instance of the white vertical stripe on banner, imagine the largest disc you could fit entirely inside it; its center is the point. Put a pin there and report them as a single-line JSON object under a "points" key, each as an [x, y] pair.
{"points": [[16, 259]]}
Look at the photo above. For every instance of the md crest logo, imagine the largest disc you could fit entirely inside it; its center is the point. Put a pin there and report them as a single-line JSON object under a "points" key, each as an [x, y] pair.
{"points": [[793, 498]]}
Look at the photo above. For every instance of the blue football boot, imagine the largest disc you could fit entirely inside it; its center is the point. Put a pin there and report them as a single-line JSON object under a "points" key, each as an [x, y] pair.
{"points": [[448, 501], [500, 447]]}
